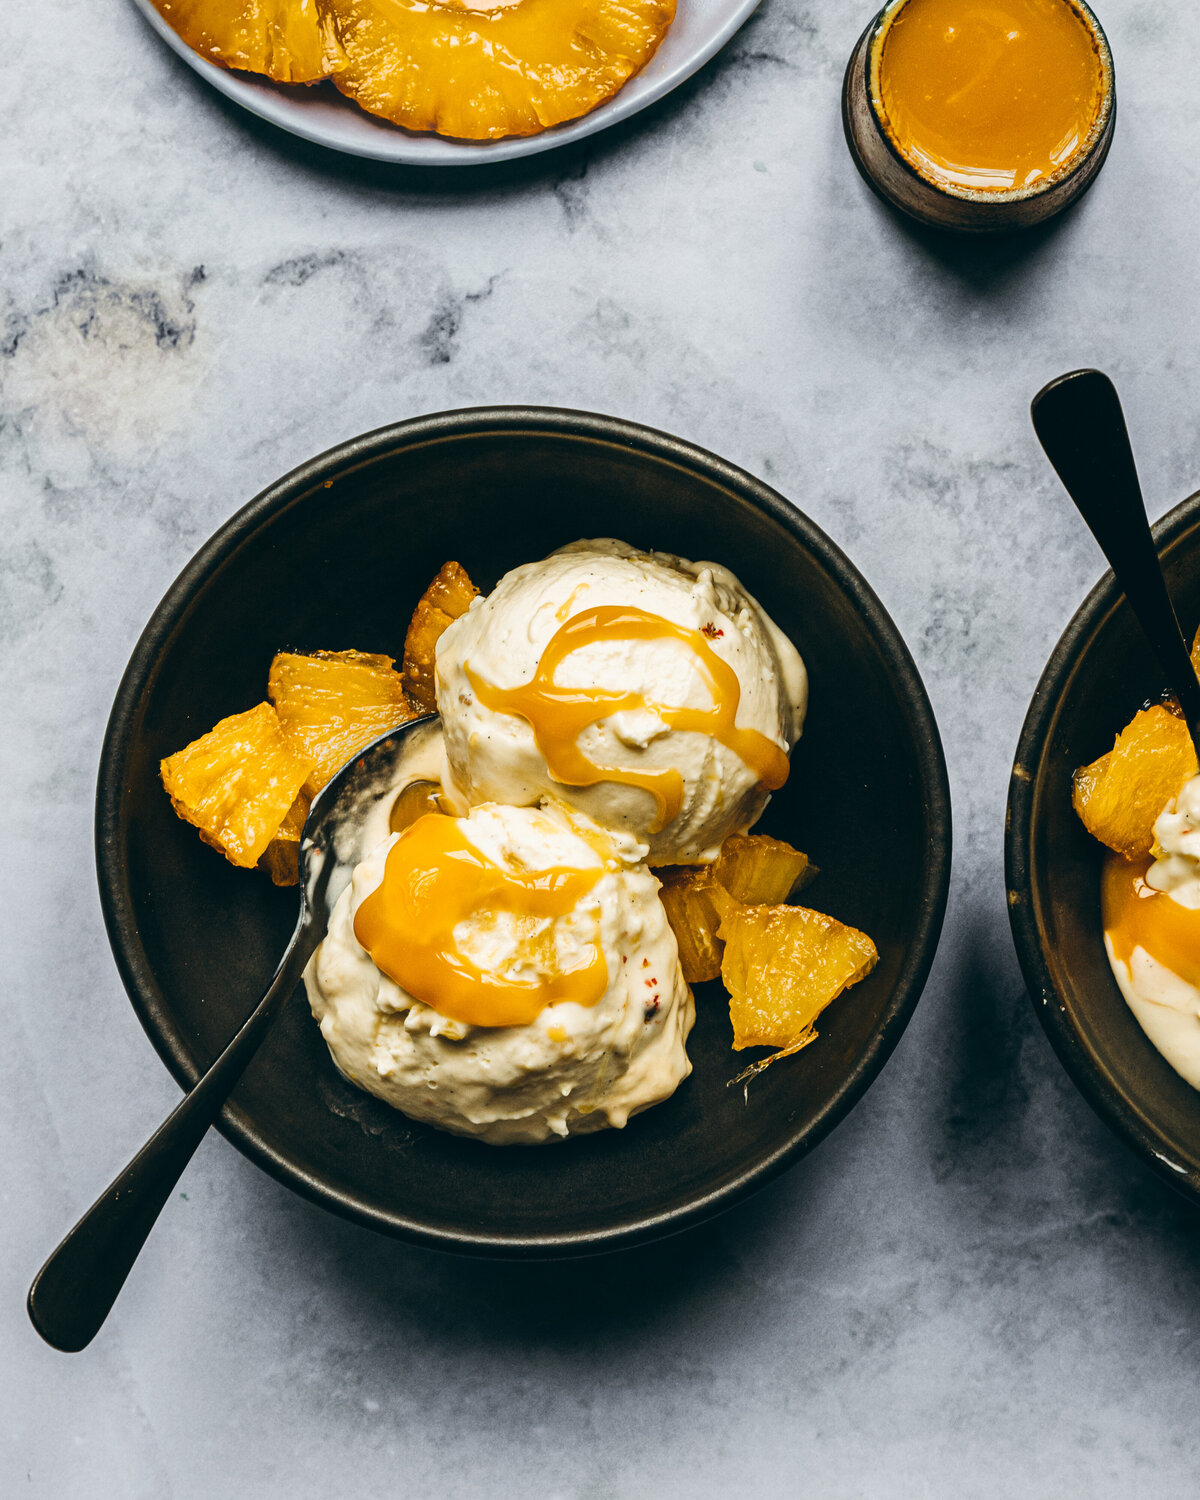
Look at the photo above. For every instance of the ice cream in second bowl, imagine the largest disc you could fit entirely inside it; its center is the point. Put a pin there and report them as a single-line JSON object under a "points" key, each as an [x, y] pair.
{"points": [[1151, 912], [1142, 799], [653, 694]]}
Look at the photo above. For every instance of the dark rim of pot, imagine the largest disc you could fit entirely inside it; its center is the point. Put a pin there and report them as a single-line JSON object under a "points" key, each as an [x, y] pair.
{"points": [[116, 898]]}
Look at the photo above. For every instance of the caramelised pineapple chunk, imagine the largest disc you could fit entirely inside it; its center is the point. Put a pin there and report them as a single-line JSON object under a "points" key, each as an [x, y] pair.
{"points": [[1120, 795], [237, 783], [782, 966], [693, 900], [761, 871], [447, 597], [752, 869], [333, 703], [281, 858], [478, 73], [287, 40]]}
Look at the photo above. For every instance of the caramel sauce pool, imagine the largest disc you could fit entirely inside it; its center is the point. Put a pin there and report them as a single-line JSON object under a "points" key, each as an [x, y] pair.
{"points": [[989, 95], [1135, 915], [559, 714], [433, 879]]}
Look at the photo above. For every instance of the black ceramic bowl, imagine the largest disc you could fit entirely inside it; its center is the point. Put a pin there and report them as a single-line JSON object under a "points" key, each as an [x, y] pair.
{"points": [[335, 555], [1102, 671]]}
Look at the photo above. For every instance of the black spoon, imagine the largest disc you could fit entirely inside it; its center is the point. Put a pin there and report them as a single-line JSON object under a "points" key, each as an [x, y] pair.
{"points": [[1079, 422], [74, 1291]]}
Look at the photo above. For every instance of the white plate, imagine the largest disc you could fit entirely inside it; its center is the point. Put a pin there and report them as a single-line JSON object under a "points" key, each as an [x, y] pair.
{"points": [[700, 29]]}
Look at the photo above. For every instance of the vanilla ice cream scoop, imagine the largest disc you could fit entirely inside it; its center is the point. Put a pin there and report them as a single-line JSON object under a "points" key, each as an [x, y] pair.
{"points": [[652, 694], [1151, 914], [509, 975]]}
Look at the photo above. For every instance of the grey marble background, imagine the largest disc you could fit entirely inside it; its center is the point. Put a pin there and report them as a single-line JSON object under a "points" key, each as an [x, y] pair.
{"points": [[970, 1290]]}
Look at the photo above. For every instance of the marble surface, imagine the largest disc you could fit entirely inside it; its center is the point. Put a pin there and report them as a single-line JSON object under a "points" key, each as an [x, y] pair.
{"points": [[971, 1289]]}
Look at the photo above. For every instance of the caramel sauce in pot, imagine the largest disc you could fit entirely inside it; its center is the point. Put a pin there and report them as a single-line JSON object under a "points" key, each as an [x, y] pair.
{"points": [[990, 95]]}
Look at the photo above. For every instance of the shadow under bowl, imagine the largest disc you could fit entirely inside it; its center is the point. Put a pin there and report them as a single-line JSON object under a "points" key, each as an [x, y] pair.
{"points": [[335, 555], [1101, 673]]}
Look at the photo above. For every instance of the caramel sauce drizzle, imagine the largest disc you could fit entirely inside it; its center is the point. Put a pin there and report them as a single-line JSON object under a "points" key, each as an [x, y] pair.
{"points": [[1135, 915], [433, 879], [559, 714]]}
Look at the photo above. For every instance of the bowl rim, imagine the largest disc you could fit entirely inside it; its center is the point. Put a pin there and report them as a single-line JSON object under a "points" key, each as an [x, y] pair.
{"points": [[1120, 1114], [290, 489]]}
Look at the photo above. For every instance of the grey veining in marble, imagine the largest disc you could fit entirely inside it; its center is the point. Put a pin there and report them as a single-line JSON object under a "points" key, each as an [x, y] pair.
{"points": [[970, 1290]]}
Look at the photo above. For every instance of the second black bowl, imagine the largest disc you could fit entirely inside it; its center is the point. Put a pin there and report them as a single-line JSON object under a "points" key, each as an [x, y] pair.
{"points": [[334, 556], [1102, 671]]}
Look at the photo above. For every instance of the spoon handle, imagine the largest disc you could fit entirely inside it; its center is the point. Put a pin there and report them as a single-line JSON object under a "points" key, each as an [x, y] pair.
{"points": [[1079, 422], [74, 1291]]}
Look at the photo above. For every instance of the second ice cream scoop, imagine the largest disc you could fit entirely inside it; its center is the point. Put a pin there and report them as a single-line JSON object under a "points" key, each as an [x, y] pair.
{"points": [[653, 694]]}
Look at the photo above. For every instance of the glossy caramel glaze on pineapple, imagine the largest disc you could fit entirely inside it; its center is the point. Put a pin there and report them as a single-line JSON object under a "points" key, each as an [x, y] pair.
{"points": [[286, 40], [447, 597], [761, 871], [333, 703], [237, 783], [782, 966], [281, 858], [753, 869], [690, 897], [479, 74], [1120, 795]]}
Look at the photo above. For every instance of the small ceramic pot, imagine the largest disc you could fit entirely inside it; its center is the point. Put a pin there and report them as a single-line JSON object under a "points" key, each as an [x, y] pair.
{"points": [[971, 210]]}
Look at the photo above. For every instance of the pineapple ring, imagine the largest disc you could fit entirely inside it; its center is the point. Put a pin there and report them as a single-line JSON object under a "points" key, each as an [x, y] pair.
{"points": [[433, 65], [287, 40]]}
